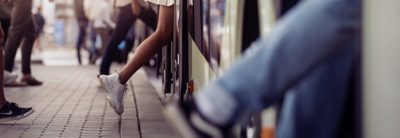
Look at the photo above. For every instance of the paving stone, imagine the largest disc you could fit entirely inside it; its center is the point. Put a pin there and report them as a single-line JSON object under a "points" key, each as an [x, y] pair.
{"points": [[71, 104]]}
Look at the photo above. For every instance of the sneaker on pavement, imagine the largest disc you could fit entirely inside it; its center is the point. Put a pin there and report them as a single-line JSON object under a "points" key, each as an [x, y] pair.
{"points": [[115, 91], [9, 77], [186, 118], [11, 111]]}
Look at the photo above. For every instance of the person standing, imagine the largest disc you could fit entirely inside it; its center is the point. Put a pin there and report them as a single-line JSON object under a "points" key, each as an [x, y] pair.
{"points": [[83, 23]]}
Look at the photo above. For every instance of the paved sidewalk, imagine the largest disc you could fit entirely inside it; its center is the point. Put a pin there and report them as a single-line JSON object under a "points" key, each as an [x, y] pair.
{"points": [[71, 104]]}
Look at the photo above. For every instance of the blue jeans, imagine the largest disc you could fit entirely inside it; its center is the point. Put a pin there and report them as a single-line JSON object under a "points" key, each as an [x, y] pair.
{"points": [[307, 58]]}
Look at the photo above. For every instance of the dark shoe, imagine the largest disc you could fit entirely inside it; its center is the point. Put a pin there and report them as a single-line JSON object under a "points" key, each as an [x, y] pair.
{"points": [[31, 81], [11, 111], [190, 123]]}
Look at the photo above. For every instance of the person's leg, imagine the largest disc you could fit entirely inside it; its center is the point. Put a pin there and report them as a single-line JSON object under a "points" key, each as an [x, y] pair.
{"points": [[315, 107], [149, 17], [149, 47], [287, 55], [81, 39], [20, 16], [115, 84], [124, 22], [2, 97], [104, 35], [92, 49], [128, 48], [282, 59], [6, 22], [129, 40], [8, 77], [26, 51]]}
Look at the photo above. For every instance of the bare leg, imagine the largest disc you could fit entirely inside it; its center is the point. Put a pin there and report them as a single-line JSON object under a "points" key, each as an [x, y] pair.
{"points": [[149, 47]]}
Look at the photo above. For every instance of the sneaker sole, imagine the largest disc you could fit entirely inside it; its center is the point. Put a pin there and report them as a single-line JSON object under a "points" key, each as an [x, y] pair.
{"points": [[176, 118], [13, 118]]}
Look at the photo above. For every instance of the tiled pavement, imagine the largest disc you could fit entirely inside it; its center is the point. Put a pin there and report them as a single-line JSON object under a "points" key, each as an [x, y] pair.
{"points": [[71, 104]]}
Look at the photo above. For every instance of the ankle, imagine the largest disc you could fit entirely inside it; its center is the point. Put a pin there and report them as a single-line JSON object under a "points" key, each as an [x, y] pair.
{"points": [[26, 76], [121, 79]]}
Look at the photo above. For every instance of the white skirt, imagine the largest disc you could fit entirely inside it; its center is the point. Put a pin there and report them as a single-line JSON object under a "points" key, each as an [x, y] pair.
{"points": [[162, 2]]}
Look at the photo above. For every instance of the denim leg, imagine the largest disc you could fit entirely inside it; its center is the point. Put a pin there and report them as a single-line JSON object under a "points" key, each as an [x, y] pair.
{"points": [[309, 35], [314, 107]]}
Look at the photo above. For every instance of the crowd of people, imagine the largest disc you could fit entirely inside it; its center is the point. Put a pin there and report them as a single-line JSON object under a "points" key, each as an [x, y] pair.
{"points": [[313, 69]]}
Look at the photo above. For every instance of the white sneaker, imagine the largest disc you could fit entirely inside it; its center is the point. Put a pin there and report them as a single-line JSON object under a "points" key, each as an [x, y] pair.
{"points": [[115, 91], [9, 77]]}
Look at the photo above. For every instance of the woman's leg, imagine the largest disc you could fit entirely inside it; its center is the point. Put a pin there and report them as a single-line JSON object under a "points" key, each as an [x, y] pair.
{"points": [[150, 46], [27, 45], [26, 53]]}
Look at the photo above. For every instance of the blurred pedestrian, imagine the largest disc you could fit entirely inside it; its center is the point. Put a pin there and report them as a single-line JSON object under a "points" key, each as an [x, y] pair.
{"points": [[40, 21], [83, 25], [100, 17], [22, 32]]}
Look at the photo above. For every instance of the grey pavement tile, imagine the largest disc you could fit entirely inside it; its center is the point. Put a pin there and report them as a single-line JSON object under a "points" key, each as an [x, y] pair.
{"points": [[159, 127], [109, 133], [133, 136], [156, 135], [71, 104], [114, 136], [70, 135], [10, 135], [91, 129], [30, 134], [51, 133]]}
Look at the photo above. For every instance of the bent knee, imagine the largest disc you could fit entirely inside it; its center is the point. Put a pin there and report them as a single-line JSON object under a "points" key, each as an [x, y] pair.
{"points": [[164, 34]]}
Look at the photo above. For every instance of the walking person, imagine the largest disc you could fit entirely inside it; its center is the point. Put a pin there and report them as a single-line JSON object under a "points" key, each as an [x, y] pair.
{"points": [[83, 24], [100, 18], [22, 31], [40, 21]]}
